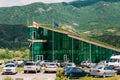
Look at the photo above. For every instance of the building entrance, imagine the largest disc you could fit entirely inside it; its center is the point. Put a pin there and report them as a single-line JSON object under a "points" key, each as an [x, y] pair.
{"points": [[65, 57], [39, 57]]}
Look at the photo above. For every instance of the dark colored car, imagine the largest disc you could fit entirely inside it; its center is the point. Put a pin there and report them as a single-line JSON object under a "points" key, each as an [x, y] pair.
{"points": [[117, 69], [76, 72]]}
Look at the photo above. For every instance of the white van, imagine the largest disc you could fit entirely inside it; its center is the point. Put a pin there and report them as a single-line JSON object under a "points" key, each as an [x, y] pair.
{"points": [[114, 61]]}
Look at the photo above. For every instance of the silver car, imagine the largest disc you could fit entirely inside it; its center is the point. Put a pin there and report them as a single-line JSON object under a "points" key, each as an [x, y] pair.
{"points": [[70, 65], [103, 70], [31, 66], [67, 65], [51, 67], [9, 68]]}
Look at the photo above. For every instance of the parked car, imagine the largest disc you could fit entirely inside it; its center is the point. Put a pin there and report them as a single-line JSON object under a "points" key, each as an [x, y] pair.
{"points": [[31, 66], [76, 72], [51, 67], [114, 61], [103, 70], [9, 68], [25, 61], [117, 69], [43, 62], [85, 63], [20, 63], [104, 62], [67, 65], [70, 65], [11, 61], [58, 62]]}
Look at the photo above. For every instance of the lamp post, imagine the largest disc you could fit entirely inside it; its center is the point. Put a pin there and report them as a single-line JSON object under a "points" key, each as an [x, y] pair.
{"points": [[72, 51], [90, 49], [52, 45], [32, 43]]}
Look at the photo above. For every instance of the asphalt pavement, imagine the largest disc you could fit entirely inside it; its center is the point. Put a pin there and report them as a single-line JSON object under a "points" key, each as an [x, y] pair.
{"points": [[31, 76]]}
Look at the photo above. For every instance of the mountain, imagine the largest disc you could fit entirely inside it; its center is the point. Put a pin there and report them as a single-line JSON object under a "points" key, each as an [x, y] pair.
{"points": [[95, 18], [83, 15]]}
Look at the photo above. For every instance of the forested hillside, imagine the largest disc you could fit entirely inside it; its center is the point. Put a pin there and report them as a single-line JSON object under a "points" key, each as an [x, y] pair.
{"points": [[13, 36], [99, 19]]}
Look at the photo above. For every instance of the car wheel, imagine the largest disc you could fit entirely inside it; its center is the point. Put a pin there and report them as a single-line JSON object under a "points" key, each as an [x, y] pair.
{"points": [[16, 72], [46, 71], [38, 70], [3, 73], [104, 75], [25, 71]]}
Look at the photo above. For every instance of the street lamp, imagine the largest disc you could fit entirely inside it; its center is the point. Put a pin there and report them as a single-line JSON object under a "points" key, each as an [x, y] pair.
{"points": [[72, 51], [90, 49]]}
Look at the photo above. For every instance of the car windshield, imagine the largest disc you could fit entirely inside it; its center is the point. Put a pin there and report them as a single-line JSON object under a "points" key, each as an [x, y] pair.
{"points": [[68, 69], [69, 64], [30, 64], [98, 67], [9, 65], [113, 60]]}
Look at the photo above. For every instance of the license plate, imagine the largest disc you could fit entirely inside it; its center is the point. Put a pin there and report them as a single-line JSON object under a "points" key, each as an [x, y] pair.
{"points": [[8, 69]]}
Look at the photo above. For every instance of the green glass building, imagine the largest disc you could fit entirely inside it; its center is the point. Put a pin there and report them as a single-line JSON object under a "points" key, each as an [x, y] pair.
{"points": [[53, 44]]}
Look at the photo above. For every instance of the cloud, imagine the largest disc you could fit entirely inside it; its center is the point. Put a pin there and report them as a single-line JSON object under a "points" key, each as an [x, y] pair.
{"points": [[45, 1], [7, 3]]}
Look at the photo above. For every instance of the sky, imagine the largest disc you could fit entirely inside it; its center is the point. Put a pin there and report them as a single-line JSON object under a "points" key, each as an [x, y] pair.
{"points": [[8, 3]]}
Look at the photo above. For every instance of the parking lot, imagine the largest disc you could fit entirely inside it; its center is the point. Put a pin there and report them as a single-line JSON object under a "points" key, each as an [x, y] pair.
{"points": [[31, 76], [28, 76], [47, 72]]}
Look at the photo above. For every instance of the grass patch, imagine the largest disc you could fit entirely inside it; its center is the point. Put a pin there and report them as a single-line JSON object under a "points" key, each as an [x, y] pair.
{"points": [[7, 78], [1, 69], [20, 69], [107, 78]]}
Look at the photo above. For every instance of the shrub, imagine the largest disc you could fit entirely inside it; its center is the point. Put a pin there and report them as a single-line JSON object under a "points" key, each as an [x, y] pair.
{"points": [[59, 72], [7, 78], [60, 75]]}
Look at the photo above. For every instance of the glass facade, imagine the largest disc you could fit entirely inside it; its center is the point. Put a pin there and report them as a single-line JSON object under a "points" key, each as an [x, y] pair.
{"points": [[60, 46]]}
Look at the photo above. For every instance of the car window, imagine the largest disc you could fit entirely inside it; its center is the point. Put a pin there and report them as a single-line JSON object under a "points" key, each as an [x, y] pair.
{"points": [[80, 70], [37, 64], [113, 60], [98, 67], [107, 68], [9, 65], [77, 70], [51, 64], [68, 69], [69, 64]]}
